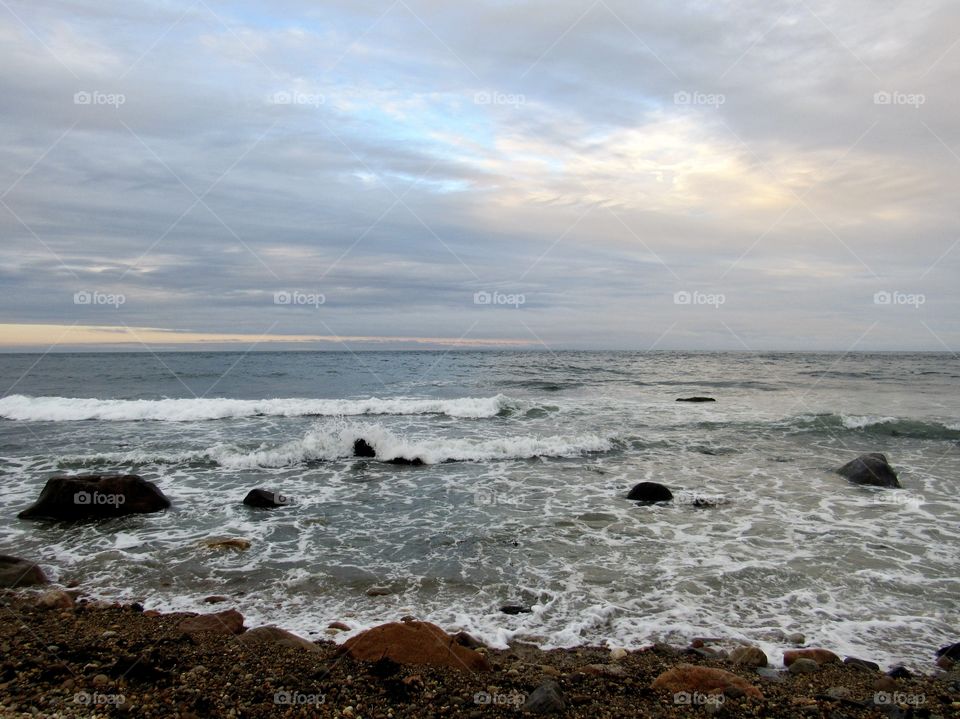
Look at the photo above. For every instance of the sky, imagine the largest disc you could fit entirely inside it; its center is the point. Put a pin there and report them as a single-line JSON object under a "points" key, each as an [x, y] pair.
{"points": [[571, 174]]}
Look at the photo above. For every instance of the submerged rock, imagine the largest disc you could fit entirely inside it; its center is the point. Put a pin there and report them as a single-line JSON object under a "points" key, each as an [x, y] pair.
{"points": [[870, 469], [96, 496], [414, 462], [16, 572], [235, 543], [650, 492], [362, 448], [265, 499], [696, 399], [515, 609], [690, 678], [414, 643]]}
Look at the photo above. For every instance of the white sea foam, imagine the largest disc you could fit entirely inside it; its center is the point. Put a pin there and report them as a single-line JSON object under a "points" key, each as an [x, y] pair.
{"points": [[68, 409]]}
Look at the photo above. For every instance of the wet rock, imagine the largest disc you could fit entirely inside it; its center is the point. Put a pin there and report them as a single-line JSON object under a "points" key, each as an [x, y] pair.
{"points": [[339, 625], [412, 462], [951, 651], [545, 699], [378, 591], [96, 496], [465, 639], [54, 599], [900, 672], [885, 684], [803, 666], [277, 637], [748, 657], [945, 663], [696, 399], [235, 543], [16, 572], [796, 638], [690, 678], [414, 643], [265, 499], [862, 664], [362, 448], [215, 599], [820, 656], [603, 670], [515, 609], [870, 469], [770, 674], [227, 622], [650, 492], [838, 693], [618, 653]]}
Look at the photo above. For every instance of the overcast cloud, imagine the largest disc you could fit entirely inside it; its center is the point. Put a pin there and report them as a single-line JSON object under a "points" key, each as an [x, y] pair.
{"points": [[610, 174]]}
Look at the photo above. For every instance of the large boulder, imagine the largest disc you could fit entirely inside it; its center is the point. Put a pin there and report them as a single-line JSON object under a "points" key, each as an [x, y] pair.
{"points": [[703, 680], [650, 492], [820, 656], [870, 469], [96, 496], [275, 636], [16, 572], [265, 499], [414, 643]]}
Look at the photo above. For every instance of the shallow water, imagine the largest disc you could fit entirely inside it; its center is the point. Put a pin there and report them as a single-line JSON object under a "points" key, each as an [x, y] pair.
{"points": [[528, 457]]}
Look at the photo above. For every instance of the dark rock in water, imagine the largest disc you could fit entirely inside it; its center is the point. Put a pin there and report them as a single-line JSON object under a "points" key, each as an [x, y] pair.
{"points": [[900, 672], [951, 651], [545, 699], [415, 462], [870, 469], [650, 492], [16, 572], [696, 399], [96, 496], [264, 499], [464, 639], [362, 448], [862, 664], [515, 609]]}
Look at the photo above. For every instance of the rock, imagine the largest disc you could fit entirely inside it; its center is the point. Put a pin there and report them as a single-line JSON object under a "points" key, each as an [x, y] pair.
{"points": [[951, 651], [16, 572], [515, 609], [227, 622], [379, 591], [696, 399], [96, 496], [690, 678], [796, 638], [650, 492], [748, 657], [820, 656], [339, 625], [603, 670], [54, 599], [770, 674], [862, 664], [900, 672], [240, 545], [870, 469], [803, 666], [945, 663], [838, 693], [101, 681], [415, 462], [545, 699], [277, 637], [414, 643], [617, 654], [885, 684], [465, 639], [215, 599], [265, 499], [362, 448]]}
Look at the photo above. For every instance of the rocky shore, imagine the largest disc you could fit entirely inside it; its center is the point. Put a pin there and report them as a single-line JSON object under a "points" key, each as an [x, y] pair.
{"points": [[66, 656]]}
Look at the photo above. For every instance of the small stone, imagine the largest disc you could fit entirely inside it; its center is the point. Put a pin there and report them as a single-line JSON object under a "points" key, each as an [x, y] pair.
{"points": [[900, 672], [618, 653], [109, 634], [545, 699], [796, 638], [838, 693], [101, 681], [513, 673], [803, 666], [770, 674], [379, 591], [54, 599], [862, 664], [215, 599], [748, 657], [339, 625], [549, 671], [885, 684], [945, 663], [515, 609]]}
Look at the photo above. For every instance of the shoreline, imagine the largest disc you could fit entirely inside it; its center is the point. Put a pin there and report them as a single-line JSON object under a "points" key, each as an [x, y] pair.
{"points": [[68, 656]]}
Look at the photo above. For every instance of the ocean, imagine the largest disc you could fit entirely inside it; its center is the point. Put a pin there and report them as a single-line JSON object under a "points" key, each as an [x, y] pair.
{"points": [[527, 458]]}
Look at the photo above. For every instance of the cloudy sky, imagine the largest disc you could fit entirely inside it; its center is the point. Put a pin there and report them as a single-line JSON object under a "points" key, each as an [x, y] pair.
{"points": [[769, 174]]}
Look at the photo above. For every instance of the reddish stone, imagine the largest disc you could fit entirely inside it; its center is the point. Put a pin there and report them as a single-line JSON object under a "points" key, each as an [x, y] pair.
{"points": [[820, 656], [228, 622], [414, 643], [690, 678]]}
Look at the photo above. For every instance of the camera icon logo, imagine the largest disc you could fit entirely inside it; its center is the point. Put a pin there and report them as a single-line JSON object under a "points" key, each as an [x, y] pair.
{"points": [[482, 298], [82, 298], [282, 298], [882, 98], [882, 298], [82, 98], [682, 98], [681, 298], [82, 498]]}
